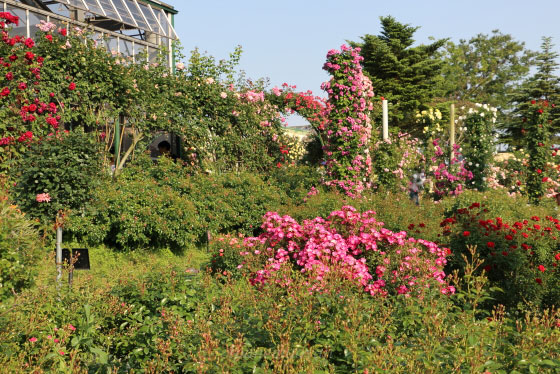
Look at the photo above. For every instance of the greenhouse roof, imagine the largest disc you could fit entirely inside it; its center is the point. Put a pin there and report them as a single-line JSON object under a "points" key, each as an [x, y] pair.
{"points": [[145, 15]]}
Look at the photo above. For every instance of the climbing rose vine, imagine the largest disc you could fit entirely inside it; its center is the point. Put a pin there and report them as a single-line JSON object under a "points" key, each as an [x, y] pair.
{"points": [[23, 115], [348, 129], [537, 137]]}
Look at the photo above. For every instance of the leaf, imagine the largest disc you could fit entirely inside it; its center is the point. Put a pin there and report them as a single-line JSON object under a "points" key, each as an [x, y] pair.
{"points": [[102, 356]]}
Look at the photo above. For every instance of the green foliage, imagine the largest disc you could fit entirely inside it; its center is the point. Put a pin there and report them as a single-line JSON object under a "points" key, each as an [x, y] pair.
{"points": [[517, 248], [67, 167], [133, 214], [484, 69], [538, 146], [543, 85], [407, 76], [19, 250], [160, 205], [478, 144], [153, 315], [296, 181]]}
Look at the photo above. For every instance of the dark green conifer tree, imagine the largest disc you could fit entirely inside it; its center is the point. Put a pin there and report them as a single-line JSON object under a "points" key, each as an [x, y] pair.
{"points": [[406, 75]]}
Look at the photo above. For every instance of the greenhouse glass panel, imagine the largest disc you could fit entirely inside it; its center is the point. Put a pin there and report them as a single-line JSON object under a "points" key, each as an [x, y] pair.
{"points": [[59, 9], [94, 7], [125, 48], [153, 54], [151, 19], [137, 14], [97, 39], [123, 11], [112, 46], [109, 9], [78, 4], [34, 20], [164, 22], [140, 52], [21, 28]]}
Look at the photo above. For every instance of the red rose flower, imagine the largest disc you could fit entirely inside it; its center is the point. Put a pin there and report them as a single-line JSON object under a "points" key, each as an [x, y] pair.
{"points": [[466, 233], [72, 86], [538, 280], [541, 268], [49, 37], [491, 244], [29, 43]]}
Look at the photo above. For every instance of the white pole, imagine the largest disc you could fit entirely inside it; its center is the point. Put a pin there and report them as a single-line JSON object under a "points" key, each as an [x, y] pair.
{"points": [[385, 120], [58, 257], [452, 131]]}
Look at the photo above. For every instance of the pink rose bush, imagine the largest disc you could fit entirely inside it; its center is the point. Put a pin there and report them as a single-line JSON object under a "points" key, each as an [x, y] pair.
{"points": [[354, 244]]}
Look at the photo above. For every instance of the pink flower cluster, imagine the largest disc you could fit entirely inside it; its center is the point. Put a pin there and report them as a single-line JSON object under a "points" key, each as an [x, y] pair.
{"points": [[353, 244], [348, 129], [448, 179], [43, 198]]}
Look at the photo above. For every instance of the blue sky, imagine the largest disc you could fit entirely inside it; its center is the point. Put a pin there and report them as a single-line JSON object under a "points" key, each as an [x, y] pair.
{"points": [[287, 40]]}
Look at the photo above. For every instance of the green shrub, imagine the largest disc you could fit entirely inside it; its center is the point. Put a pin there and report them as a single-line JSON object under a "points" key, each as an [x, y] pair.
{"points": [[161, 205], [296, 181], [518, 244], [131, 214], [67, 167], [19, 250]]}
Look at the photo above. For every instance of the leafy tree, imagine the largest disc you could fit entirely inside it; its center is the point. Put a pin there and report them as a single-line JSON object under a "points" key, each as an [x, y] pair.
{"points": [[543, 85], [405, 75], [485, 69]]}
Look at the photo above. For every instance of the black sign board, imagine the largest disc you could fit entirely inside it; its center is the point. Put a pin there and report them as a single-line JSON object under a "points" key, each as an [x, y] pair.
{"points": [[79, 255]]}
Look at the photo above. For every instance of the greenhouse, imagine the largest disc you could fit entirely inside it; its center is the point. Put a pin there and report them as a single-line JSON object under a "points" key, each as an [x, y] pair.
{"points": [[129, 28]]}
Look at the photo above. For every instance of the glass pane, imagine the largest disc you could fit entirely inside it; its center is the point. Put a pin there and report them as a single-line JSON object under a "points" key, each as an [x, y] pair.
{"points": [[59, 9], [150, 17], [78, 4], [109, 10], [21, 29], [112, 46], [137, 14], [140, 52], [152, 54], [125, 48], [98, 40], [164, 22], [123, 11], [34, 20], [94, 7]]}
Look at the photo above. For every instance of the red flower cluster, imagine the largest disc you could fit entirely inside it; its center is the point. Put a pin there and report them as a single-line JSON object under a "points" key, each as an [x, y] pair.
{"points": [[10, 18], [507, 236]]}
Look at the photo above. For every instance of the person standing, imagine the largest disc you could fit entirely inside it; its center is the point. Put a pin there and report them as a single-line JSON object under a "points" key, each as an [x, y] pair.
{"points": [[416, 186]]}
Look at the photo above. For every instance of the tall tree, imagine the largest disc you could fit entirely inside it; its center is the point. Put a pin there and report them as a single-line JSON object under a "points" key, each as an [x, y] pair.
{"points": [[543, 85], [404, 74], [485, 69]]}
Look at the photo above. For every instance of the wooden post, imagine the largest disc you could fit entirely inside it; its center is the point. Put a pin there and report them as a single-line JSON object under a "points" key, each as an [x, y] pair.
{"points": [[385, 120], [452, 130]]}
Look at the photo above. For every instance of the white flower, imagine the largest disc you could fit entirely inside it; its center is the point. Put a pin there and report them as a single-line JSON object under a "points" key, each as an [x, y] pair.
{"points": [[180, 66]]}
